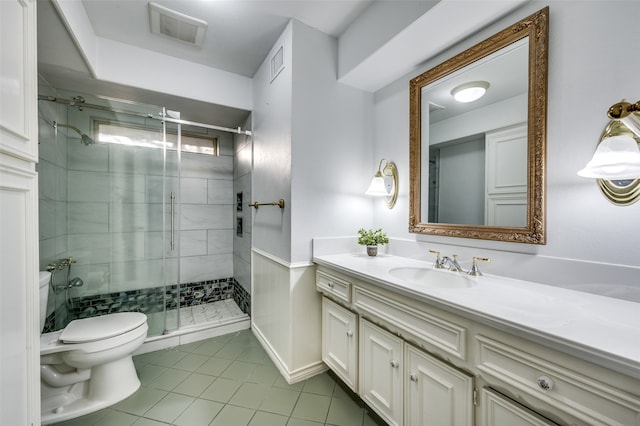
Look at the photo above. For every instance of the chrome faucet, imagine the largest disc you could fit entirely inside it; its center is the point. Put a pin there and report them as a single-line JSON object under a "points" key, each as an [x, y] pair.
{"points": [[453, 263]]}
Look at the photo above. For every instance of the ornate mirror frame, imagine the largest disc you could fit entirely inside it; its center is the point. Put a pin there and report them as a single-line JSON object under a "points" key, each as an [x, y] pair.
{"points": [[536, 28]]}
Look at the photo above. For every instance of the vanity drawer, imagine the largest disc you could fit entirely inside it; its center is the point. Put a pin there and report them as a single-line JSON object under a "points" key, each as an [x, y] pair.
{"points": [[576, 394], [416, 323], [334, 286]]}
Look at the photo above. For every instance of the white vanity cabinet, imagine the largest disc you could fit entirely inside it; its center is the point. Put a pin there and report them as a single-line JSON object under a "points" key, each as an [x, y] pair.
{"points": [[381, 371], [436, 393], [423, 363], [340, 342]]}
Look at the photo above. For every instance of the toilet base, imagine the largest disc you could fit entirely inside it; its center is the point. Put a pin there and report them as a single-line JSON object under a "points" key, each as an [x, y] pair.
{"points": [[109, 384]]}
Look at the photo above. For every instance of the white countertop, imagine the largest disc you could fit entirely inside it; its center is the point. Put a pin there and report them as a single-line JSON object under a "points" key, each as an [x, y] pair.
{"points": [[599, 329]]}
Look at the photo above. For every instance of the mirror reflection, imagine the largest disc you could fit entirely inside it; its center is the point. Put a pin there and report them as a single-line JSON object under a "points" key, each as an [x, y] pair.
{"points": [[476, 149], [478, 139]]}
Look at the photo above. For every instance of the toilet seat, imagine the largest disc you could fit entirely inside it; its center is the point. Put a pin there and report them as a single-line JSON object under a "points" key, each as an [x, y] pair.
{"points": [[102, 327]]}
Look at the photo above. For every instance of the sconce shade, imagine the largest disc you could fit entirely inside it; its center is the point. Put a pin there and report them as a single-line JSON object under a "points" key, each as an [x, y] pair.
{"points": [[470, 92], [377, 187], [388, 188], [617, 157]]}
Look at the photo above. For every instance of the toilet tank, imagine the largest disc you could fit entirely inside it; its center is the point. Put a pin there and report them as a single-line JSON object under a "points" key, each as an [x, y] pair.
{"points": [[45, 276]]}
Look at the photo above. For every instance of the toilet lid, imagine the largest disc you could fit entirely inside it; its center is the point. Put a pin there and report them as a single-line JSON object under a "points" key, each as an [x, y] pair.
{"points": [[102, 327]]}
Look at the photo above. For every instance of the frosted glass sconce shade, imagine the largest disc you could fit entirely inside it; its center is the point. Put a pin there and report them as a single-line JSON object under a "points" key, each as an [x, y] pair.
{"points": [[616, 162], [617, 157], [385, 183]]}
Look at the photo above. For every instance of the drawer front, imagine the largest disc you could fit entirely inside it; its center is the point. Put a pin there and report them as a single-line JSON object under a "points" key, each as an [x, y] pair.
{"points": [[591, 401], [334, 286], [438, 332], [500, 411]]}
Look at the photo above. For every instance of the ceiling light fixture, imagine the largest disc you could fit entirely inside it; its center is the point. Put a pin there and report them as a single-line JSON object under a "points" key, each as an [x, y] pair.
{"points": [[470, 92]]}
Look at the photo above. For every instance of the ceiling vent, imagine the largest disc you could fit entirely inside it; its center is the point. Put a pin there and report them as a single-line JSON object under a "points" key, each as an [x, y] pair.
{"points": [[176, 25]]}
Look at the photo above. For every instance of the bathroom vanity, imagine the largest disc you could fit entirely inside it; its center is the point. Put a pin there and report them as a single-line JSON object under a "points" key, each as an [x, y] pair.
{"points": [[424, 346]]}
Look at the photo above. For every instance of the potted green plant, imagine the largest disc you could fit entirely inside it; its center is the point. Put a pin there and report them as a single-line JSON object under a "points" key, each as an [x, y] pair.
{"points": [[372, 239]]}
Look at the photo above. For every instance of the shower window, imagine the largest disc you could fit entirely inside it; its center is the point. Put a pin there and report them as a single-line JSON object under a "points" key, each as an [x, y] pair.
{"points": [[135, 135]]}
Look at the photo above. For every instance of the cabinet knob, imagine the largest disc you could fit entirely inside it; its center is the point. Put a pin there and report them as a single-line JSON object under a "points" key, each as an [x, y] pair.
{"points": [[545, 383], [413, 377], [330, 284], [349, 333], [395, 363]]}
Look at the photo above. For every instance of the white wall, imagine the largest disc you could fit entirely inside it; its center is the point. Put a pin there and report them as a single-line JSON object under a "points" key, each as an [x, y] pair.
{"points": [[312, 139], [585, 50], [332, 162]]}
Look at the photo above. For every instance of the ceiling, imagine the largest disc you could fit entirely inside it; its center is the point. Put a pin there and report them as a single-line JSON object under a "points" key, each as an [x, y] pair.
{"points": [[239, 35]]}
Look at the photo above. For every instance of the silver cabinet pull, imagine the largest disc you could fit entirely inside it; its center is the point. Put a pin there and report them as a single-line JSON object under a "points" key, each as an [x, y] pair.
{"points": [[172, 244], [394, 363], [413, 377]]}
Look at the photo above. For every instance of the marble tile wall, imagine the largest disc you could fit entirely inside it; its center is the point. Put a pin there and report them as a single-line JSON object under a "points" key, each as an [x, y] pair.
{"points": [[103, 204], [242, 184]]}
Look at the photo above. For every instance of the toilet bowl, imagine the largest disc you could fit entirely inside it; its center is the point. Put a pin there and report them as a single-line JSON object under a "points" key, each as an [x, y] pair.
{"points": [[88, 365]]}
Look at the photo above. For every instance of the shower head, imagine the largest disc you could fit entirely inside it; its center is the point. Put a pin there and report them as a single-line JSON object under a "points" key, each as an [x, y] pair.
{"points": [[84, 138]]}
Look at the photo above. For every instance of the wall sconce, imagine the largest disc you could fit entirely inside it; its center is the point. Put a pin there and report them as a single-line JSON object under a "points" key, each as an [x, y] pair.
{"points": [[616, 162], [385, 183]]}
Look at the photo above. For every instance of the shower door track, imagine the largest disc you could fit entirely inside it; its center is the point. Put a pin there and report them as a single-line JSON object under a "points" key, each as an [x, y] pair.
{"points": [[137, 114]]}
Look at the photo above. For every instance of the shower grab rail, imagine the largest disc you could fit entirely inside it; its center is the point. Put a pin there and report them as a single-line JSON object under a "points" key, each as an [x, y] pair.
{"points": [[172, 244], [279, 203]]}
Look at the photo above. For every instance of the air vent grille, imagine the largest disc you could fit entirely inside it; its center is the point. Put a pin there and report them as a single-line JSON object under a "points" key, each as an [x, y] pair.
{"points": [[277, 63], [176, 25]]}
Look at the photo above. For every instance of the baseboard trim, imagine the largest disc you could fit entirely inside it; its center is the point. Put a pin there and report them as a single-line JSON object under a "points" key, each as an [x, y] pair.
{"points": [[291, 377]]}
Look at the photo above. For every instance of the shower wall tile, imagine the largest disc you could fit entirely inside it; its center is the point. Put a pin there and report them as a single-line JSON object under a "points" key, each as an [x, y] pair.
{"points": [[94, 158], [48, 181], [88, 249], [47, 218], [206, 217], [155, 186], [61, 218], [206, 166], [128, 246], [220, 242], [85, 218], [200, 268], [136, 275], [243, 160], [137, 160], [128, 188], [133, 217], [219, 192], [242, 273], [193, 243], [88, 186], [242, 246], [193, 191], [96, 279], [225, 142]]}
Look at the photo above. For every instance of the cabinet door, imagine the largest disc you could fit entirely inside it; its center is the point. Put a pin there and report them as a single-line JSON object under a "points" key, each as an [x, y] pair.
{"points": [[340, 341], [381, 371], [500, 411], [436, 393]]}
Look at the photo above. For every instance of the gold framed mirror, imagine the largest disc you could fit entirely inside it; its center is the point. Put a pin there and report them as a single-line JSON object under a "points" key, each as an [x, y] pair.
{"points": [[477, 169]]}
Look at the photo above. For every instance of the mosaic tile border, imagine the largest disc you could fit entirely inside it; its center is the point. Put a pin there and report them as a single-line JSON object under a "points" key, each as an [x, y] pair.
{"points": [[150, 300]]}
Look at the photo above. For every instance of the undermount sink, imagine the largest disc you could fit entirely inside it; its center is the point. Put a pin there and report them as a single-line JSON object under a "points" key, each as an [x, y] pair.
{"points": [[433, 278]]}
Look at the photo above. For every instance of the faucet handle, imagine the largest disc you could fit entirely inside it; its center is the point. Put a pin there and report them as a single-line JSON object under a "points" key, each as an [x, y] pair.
{"points": [[439, 263], [474, 267]]}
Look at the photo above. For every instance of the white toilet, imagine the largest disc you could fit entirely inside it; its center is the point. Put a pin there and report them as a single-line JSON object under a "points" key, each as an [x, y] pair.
{"points": [[87, 366]]}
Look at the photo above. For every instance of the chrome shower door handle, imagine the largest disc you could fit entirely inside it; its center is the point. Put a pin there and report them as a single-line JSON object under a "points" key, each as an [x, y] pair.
{"points": [[172, 244]]}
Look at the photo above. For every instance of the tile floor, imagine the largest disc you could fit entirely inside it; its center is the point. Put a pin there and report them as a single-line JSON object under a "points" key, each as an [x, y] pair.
{"points": [[226, 381]]}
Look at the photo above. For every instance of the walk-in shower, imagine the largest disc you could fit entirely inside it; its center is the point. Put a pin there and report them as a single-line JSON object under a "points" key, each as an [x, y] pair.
{"points": [[145, 204]]}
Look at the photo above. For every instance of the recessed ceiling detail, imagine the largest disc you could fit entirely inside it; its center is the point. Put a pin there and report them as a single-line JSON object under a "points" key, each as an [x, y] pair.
{"points": [[176, 25]]}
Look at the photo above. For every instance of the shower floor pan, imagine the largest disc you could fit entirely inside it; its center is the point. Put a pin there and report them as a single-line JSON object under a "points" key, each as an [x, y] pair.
{"points": [[197, 322]]}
